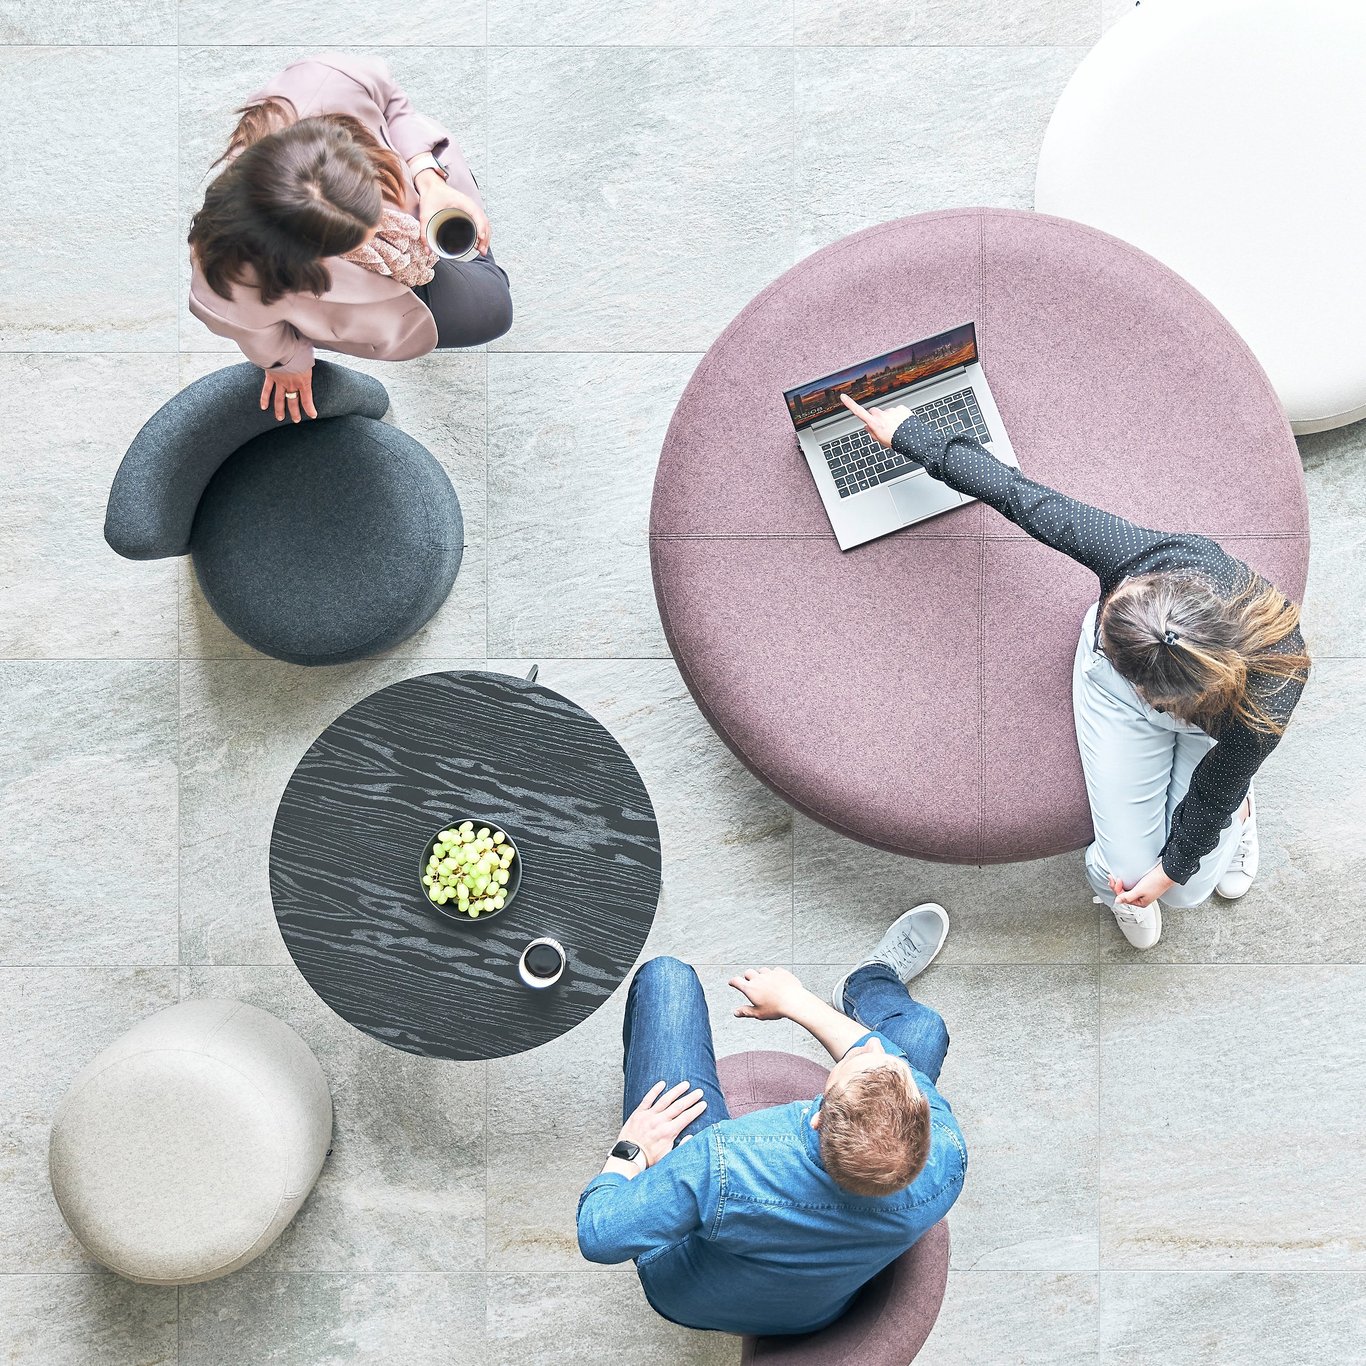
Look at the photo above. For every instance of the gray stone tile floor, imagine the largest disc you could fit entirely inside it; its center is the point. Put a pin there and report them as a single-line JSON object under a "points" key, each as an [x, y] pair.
{"points": [[1169, 1156]]}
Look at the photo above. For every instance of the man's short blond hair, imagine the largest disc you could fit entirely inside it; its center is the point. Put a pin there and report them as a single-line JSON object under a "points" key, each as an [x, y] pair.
{"points": [[875, 1131]]}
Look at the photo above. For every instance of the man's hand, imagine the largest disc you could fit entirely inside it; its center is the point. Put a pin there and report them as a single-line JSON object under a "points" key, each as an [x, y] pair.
{"points": [[1145, 891], [880, 422], [433, 193], [292, 393], [661, 1117], [771, 992]]}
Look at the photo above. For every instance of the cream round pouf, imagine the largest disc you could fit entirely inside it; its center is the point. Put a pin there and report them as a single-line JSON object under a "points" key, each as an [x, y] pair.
{"points": [[184, 1149], [1226, 138]]}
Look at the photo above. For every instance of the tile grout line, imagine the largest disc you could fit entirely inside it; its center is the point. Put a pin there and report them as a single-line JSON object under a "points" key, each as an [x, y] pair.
{"points": [[488, 567], [1100, 1139], [179, 668], [488, 520], [583, 47]]}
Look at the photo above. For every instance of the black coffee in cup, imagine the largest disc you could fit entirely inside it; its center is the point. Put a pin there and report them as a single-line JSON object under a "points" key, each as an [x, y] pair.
{"points": [[542, 963], [452, 233]]}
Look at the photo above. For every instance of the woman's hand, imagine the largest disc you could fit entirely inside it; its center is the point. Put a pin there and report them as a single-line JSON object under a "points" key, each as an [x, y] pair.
{"points": [[771, 993], [292, 393], [1145, 891], [661, 1117], [880, 422], [433, 193]]}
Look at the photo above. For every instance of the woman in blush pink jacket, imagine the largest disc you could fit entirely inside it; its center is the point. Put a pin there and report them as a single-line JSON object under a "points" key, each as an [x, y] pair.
{"points": [[312, 236]]}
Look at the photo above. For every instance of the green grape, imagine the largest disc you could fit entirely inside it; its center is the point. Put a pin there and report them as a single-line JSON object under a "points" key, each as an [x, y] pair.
{"points": [[484, 832], [498, 837], [474, 912]]}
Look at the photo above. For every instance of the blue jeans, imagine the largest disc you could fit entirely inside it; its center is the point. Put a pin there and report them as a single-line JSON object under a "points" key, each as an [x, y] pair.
{"points": [[667, 1035]]}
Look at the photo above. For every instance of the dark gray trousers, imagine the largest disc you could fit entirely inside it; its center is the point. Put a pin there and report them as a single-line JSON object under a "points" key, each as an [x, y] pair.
{"points": [[470, 301]]}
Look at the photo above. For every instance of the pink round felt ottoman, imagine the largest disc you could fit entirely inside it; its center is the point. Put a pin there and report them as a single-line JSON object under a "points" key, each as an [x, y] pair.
{"points": [[915, 692], [891, 1317]]}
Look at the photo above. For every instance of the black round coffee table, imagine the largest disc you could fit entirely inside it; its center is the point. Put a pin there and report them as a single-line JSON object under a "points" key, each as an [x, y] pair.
{"points": [[371, 791]]}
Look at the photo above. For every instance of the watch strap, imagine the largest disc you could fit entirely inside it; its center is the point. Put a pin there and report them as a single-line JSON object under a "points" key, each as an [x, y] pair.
{"points": [[425, 161]]}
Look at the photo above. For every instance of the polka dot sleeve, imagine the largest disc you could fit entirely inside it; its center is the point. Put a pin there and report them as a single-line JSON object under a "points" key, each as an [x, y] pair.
{"points": [[1107, 545]]}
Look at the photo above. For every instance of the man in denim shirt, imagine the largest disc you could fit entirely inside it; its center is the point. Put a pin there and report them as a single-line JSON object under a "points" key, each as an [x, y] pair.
{"points": [[771, 1223]]}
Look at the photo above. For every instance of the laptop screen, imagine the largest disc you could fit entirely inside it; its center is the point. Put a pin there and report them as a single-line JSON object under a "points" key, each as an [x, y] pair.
{"points": [[874, 379]]}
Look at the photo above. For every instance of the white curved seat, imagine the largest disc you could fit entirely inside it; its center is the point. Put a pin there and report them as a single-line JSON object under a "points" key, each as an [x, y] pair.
{"points": [[1226, 138], [185, 1148]]}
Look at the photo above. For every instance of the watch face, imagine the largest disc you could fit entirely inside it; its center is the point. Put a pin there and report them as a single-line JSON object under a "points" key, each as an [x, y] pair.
{"points": [[627, 1151]]}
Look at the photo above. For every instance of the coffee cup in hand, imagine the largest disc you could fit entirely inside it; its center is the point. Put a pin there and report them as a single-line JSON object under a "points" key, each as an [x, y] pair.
{"points": [[452, 233]]}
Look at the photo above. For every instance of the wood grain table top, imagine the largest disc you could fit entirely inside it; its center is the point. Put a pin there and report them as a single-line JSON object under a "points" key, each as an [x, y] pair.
{"points": [[402, 764]]}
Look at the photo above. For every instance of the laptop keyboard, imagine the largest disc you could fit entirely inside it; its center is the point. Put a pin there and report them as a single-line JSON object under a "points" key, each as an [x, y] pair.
{"points": [[857, 462]]}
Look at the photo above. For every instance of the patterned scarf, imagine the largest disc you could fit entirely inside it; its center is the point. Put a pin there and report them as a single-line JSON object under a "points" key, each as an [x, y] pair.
{"points": [[398, 249]]}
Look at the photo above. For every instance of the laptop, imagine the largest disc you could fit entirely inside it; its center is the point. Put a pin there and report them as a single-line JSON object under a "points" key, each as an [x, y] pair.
{"points": [[869, 491]]}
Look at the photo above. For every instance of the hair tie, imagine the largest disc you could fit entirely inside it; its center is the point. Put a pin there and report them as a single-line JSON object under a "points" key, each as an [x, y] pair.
{"points": [[1169, 638]]}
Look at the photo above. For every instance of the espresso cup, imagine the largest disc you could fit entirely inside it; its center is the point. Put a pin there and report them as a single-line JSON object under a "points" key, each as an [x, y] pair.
{"points": [[542, 963], [452, 233]]}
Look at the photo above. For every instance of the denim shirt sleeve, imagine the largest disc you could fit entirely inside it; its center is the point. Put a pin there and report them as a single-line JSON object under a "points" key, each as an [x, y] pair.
{"points": [[621, 1217]]}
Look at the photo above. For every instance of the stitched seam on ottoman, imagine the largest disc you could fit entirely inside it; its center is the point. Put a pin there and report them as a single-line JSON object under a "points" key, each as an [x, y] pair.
{"points": [[805, 807], [981, 699], [1221, 536], [982, 585], [982, 271], [802, 536]]}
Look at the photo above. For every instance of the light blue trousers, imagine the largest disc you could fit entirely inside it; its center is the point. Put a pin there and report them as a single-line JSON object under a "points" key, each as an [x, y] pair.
{"points": [[1138, 764]]}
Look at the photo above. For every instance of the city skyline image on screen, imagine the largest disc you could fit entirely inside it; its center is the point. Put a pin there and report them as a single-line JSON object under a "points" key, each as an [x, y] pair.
{"points": [[873, 379]]}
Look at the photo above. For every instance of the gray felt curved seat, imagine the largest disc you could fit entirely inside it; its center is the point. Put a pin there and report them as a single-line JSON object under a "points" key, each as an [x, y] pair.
{"points": [[315, 543]]}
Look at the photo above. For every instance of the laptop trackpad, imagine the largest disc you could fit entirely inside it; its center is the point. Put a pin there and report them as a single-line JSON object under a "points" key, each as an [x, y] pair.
{"points": [[908, 497]]}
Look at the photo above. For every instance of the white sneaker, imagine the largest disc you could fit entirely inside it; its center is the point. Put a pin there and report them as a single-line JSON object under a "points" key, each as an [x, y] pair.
{"points": [[1238, 875], [911, 944], [1142, 925]]}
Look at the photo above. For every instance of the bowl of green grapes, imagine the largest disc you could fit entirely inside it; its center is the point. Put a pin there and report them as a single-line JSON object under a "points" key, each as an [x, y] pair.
{"points": [[470, 871]]}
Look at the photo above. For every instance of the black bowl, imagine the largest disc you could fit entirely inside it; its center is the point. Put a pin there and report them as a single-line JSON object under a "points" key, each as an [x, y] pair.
{"points": [[451, 910]]}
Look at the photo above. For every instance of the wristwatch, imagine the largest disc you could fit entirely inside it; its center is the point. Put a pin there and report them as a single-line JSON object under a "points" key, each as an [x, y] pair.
{"points": [[630, 1152], [425, 161]]}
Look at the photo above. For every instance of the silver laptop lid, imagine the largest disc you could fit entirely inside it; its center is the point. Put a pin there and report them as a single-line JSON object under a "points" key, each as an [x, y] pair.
{"points": [[872, 380]]}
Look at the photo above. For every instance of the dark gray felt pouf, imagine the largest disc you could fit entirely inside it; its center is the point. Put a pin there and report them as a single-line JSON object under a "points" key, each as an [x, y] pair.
{"points": [[327, 541]]}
